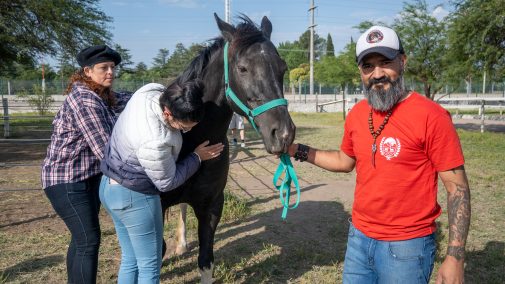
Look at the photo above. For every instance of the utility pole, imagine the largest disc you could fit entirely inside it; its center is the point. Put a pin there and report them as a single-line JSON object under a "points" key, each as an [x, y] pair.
{"points": [[227, 9], [312, 25]]}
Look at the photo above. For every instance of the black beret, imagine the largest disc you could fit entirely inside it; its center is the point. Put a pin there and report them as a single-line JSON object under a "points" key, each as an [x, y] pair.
{"points": [[97, 54]]}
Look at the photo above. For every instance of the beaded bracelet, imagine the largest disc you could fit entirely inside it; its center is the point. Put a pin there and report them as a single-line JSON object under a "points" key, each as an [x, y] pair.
{"points": [[302, 153]]}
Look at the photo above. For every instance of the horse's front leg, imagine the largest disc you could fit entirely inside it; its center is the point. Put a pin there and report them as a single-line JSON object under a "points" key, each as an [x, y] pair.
{"points": [[207, 224], [181, 246]]}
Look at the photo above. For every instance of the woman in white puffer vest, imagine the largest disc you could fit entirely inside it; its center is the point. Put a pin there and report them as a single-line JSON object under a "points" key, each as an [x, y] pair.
{"points": [[141, 162]]}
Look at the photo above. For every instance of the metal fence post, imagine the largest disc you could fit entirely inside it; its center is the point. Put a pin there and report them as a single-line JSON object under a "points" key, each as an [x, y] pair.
{"points": [[5, 104]]}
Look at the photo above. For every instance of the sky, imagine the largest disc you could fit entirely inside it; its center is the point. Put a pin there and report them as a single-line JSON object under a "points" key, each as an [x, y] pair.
{"points": [[144, 27]]}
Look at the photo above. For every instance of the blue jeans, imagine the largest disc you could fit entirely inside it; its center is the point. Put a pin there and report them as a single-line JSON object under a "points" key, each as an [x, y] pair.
{"points": [[371, 261], [78, 205], [139, 228]]}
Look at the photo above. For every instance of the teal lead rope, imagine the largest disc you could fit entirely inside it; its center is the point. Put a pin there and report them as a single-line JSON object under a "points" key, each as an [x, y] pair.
{"points": [[286, 168]]}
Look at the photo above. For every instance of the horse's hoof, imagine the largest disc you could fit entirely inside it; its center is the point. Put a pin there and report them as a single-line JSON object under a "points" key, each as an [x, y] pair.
{"points": [[181, 250]]}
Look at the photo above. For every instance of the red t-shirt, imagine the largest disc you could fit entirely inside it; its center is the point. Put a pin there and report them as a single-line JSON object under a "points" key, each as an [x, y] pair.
{"points": [[397, 200]]}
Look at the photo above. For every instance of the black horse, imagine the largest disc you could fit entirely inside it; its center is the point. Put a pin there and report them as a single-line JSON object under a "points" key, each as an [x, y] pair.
{"points": [[256, 76]]}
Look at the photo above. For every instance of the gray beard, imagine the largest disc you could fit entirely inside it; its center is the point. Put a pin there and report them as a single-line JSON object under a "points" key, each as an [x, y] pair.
{"points": [[384, 100]]}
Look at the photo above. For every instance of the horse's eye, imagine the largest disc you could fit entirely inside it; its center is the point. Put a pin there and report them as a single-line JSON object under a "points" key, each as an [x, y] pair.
{"points": [[242, 69]]}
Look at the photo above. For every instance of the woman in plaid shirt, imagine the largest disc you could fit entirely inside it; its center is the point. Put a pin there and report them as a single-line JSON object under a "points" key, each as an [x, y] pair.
{"points": [[71, 170]]}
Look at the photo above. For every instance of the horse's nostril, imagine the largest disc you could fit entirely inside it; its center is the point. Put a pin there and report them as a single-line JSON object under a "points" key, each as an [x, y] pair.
{"points": [[274, 132]]}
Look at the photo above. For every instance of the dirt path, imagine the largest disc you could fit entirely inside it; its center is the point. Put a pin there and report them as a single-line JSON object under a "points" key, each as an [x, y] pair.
{"points": [[258, 247]]}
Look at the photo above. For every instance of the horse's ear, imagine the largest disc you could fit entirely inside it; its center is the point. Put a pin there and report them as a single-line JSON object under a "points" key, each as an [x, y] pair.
{"points": [[226, 29], [266, 27]]}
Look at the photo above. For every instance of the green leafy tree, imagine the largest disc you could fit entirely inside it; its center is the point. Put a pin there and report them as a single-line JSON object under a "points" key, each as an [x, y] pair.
{"points": [[41, 100], [365, 25], [180, 59], [326, 70], [299, 74], [319, 45], [330, 49], [292, 54], [141, 70], [348, 73], [161, 58], [31, 29], [476, 40], [65, 69], [126, 62], [424, 40], [159, 63], [298, 52]]}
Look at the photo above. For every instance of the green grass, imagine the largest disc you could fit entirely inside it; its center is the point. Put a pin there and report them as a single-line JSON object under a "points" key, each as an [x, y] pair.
{"points": [[29, 125], [485, 167], [252, 244]]}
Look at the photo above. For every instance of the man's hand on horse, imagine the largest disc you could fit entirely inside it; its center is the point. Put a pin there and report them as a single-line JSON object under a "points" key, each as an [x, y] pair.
{"points": [[207, 152]]}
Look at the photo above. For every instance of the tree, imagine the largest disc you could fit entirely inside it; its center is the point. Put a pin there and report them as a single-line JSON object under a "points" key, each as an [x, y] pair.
{"points": [[40, 100], [424, 40], [65, 69], [292, 54], [180, 59], [31, 29], [141, 68], [326, 70], [348, 73], [159, 63], [299, 74], [298, 52], [330, 49], [319, 45], [125, 60], [476, 39], [161, 59]]}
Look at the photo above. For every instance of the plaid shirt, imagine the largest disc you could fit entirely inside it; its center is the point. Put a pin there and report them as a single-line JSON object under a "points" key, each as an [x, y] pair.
{"points": [[81, 129]]}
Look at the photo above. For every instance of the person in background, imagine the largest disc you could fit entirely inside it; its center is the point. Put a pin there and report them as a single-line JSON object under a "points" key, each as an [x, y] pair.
{"points": [[237, 124], [71, 169], [400, 143], [141, 162]]}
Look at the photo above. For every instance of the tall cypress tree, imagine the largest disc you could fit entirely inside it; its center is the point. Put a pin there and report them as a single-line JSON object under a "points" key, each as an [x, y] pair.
{"points": [[330, 49]]}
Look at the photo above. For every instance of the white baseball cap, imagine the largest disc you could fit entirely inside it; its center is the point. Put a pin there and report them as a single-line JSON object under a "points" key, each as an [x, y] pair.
{"points": [[378, 39]]}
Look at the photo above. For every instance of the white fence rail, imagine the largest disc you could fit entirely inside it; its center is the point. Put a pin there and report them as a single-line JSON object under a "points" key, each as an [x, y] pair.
{"points": [[297, 103]]}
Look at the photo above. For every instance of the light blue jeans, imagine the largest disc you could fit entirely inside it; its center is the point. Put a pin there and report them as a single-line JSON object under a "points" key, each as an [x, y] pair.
{"points": [[139, 228], [371, 261]]}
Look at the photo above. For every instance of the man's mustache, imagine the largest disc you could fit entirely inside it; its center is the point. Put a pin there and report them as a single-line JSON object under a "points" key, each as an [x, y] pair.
{"points": [[378, 81]]}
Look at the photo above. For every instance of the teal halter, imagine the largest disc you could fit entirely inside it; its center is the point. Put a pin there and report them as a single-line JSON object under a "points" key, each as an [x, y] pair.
{"points": [[251, 114], [285, 166]]}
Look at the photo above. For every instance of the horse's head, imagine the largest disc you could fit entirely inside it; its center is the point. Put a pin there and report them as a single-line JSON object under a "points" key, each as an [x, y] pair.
{"points": [[255, 77]]}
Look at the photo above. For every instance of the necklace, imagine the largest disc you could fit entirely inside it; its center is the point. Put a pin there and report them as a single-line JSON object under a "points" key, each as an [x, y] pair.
{"points": [[376, 133]]}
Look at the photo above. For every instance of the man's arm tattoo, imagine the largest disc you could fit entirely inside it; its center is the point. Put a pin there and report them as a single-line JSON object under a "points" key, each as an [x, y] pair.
{"points": [[459, 211]]}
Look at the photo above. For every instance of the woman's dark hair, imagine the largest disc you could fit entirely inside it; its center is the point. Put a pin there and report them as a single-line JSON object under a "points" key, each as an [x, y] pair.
{"points": [[184, 99]]}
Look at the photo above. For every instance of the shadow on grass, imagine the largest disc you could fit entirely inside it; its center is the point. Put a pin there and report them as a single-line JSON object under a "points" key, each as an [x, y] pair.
{"points": [[35, 219], [487, 265], [274, 251], [489, 126], [484, 266], [30, 266]]}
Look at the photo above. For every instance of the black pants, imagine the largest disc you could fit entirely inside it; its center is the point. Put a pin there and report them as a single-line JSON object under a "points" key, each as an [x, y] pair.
{"points": [[78, 205]]}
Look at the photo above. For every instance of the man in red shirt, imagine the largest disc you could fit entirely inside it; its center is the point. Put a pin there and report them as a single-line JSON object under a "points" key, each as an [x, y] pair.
{"points": [[400, 144]]}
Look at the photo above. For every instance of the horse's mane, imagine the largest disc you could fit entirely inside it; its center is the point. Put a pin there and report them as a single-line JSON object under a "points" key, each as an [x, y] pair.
{"points": [[246, 34]]}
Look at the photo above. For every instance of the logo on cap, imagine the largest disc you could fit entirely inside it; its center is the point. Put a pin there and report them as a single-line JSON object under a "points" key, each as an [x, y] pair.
{"points": [[374, 36]]}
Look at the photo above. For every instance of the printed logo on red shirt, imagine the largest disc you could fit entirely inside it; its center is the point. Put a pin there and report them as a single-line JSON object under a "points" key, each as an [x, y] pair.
{"points": [[390, 147]]}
